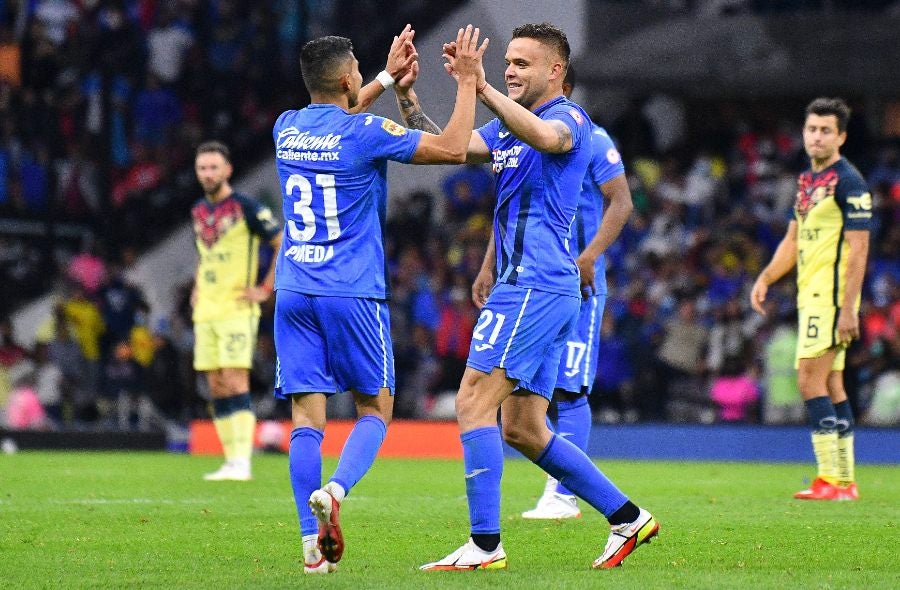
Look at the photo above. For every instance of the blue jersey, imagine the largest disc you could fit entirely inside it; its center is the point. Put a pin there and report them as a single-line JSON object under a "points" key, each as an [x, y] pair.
{"points": [[537, 196], [606, 164], [333, 172]]}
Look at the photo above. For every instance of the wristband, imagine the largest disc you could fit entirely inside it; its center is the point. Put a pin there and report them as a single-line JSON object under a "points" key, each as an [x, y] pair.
{"points": [[266, 288], [385, 79]]}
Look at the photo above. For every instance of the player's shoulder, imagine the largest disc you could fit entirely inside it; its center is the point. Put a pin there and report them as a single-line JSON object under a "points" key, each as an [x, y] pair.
{"points": [[245, 200], [562, 106], [601, 137], [377, 125], [849, 173]]}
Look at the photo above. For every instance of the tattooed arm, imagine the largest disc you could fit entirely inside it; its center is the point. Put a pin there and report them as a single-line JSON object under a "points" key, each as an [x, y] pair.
{"points": [[543, 135], [412, 113]]}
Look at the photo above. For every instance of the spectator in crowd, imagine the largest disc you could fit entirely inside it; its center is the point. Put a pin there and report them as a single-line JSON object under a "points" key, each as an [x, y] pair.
{"points": [[23, 409], [735, 392]]}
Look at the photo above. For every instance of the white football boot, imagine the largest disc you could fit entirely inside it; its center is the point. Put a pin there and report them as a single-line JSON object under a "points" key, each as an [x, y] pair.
{"points": [[231, 471], [470, 557], [553, 506], [625, 538]]}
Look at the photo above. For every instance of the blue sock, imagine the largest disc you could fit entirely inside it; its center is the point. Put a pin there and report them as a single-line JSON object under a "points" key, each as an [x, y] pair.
{"points": [[305, 462], [222, 407], [359, 451], [567, 463], [821, 414], [573, 424], [844, 414], [483, 460]]}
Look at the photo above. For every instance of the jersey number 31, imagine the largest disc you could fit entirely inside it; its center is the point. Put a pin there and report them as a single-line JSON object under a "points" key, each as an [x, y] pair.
{"points": [[303, 207]]}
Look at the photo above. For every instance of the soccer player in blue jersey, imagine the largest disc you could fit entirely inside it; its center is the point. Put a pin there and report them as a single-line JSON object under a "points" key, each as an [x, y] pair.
{"points": [[540, 146], [332, 331], [594, 230]]}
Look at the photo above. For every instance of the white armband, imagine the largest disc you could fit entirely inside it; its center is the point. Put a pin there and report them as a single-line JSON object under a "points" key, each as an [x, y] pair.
{"points": [[385, 79]]}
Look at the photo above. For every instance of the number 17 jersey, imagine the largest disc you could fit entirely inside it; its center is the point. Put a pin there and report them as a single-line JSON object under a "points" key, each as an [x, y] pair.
{"points": [[332, 166]]}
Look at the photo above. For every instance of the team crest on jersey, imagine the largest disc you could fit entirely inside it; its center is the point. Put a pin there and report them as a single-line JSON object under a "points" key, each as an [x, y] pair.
{"points": [[211, 223], [393, 128], [813, 190], [577, 116]]}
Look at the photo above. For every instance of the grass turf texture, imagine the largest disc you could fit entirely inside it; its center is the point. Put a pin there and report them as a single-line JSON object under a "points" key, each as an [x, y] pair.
{"points": [[110, 520]]}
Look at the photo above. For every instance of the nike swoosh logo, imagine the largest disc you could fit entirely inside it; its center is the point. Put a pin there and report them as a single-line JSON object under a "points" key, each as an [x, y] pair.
{"points": [[478, 471], [480, 347], [502, 134], [564, 434]]}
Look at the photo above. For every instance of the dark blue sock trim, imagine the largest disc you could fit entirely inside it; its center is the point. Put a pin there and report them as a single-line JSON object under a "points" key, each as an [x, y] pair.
{"points": [[222, 407], [844, 414], [822, 418], [240, 402]]}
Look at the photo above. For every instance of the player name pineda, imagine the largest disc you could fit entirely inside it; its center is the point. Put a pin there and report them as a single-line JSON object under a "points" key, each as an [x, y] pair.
{"points": [[310, 253]]}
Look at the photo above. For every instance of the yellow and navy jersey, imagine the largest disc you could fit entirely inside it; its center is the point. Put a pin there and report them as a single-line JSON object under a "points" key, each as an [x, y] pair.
{"points": [[227, 237], [828, 203]]}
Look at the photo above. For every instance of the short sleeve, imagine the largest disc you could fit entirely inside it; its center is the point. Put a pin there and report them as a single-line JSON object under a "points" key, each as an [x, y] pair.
{"points": [[855, 201], [606, 162], [489, 131], [575, 119], [259, 219], [385, 139]]}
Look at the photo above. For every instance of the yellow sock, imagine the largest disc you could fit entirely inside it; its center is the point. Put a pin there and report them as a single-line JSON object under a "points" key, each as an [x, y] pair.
{"points": [[244, 431], [225, 429], [825, 446], [845, 460]]}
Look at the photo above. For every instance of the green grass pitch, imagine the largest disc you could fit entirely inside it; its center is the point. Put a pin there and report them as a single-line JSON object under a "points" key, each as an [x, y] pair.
{"points": [[114, 520]]}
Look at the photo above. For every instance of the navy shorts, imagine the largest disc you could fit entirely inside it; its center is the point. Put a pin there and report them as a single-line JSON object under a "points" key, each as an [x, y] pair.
{"points": [[331, 344], [523, 331], [578, 365]]}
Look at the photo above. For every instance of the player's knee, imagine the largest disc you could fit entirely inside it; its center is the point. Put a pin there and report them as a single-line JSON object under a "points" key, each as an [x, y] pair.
{"points": [[521, 438]]}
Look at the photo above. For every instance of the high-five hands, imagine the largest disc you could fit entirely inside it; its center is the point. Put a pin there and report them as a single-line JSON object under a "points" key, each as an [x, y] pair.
{"points": [[464, 55], [402, 56]]}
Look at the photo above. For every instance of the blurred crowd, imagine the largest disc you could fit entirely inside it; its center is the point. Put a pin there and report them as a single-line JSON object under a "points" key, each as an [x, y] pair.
{"points": [[713, 187], [101, 102]]}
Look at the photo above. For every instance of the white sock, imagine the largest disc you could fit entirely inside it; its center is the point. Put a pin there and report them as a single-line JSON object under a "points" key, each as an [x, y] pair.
{"points": [[336, 490]]}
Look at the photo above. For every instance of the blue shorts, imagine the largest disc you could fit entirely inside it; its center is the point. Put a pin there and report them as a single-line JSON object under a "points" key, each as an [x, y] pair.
{"points": [[331, 344], [578, 365], [523, 331]]}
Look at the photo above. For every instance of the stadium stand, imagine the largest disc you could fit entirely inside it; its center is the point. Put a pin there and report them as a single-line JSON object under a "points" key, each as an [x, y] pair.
{"points": [[97, 126]]}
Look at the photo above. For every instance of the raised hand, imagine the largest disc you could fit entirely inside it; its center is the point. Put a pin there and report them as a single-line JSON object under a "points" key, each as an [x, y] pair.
{"points": [[464, 56], [402, 56]]}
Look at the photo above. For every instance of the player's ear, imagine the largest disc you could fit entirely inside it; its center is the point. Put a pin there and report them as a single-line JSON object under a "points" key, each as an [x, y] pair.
{"points": [[344, 82], [557, 71], [842, 137]]}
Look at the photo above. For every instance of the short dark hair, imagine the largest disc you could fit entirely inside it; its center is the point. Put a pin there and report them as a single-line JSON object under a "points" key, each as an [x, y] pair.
{"points": [[824, 106], [548, 34], [571, 79], [216, 147], [320, 58]]}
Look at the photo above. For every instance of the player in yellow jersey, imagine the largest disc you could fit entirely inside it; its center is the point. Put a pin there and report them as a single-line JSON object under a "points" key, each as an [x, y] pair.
{"points": [[828, 241], [228, 228]]}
